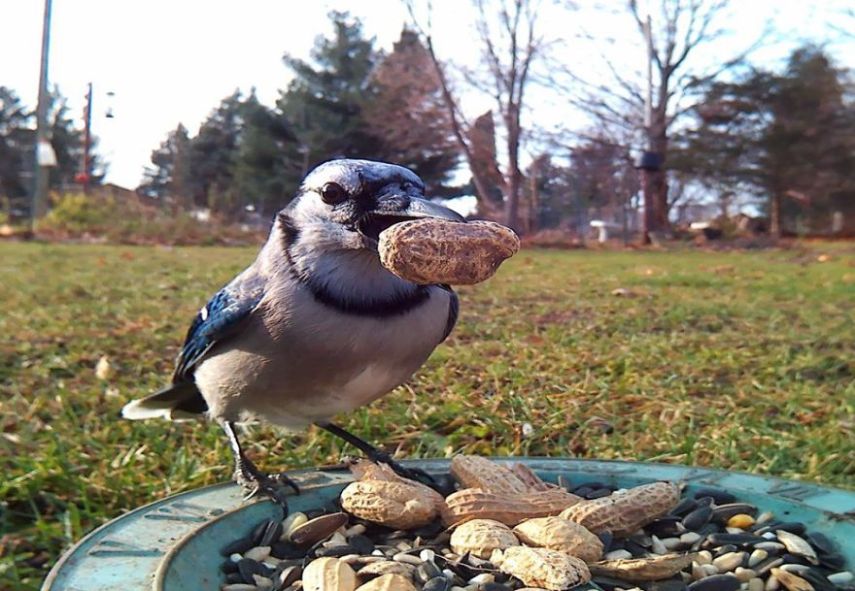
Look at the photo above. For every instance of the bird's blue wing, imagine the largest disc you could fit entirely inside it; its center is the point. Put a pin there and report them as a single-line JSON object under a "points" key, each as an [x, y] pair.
{"points": [[220, 318]]}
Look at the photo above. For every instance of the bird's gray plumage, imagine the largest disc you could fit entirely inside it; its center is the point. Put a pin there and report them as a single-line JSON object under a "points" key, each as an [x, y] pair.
{"points": [[315, 326]]}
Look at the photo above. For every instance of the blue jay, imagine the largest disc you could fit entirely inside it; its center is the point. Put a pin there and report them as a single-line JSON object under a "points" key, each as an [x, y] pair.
{"points": [[315, 326]]}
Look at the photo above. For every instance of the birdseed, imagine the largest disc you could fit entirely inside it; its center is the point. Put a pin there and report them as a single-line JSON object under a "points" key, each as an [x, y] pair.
{"points": [[734, 546]]}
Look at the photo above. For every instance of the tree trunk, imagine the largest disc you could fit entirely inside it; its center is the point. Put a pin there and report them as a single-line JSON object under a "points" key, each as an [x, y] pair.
{"points": [[659, 182], [514, 175], [775, 215]]}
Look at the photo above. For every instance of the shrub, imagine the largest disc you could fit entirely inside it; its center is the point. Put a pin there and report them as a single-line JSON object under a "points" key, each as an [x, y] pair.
{"points": [[129, 220], [77, 213]]}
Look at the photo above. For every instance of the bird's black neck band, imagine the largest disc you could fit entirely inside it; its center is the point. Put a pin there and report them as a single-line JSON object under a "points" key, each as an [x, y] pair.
{"points": [[400, 303]]}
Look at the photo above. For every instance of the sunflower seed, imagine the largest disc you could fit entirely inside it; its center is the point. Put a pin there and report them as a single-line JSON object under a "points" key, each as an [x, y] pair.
{"points": [[716, 583]]}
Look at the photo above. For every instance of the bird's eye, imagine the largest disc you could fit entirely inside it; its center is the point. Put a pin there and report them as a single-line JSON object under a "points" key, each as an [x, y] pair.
{"points": [[333, 193]]}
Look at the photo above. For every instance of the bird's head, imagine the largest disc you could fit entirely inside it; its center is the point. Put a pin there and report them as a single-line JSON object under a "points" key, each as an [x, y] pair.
{"points": [[346, 204], [330, 231]]}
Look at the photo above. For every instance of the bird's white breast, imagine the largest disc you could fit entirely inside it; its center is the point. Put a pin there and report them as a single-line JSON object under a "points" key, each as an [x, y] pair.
{"points": [[306, 362]]}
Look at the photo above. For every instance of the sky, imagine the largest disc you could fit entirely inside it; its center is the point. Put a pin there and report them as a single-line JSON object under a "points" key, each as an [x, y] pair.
{"points": [[171, 61]]}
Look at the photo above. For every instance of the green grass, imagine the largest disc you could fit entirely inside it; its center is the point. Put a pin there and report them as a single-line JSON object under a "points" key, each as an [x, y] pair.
{"points": [[744, 361]]}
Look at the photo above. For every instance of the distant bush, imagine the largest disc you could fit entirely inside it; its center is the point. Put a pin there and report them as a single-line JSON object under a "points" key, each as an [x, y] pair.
{"points": [[78, 213], [105, 218]]}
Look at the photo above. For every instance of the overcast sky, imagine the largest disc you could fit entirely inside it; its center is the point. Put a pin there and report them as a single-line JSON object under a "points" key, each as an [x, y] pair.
{"points": [[171, 61]]}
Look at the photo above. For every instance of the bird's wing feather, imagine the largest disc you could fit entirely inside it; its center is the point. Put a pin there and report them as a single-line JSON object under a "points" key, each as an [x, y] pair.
{"points": [[453, 311], [220, 318]]}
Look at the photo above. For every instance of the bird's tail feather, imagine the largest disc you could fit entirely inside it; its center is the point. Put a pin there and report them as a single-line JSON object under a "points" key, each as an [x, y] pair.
{"points": [[179, 401]]}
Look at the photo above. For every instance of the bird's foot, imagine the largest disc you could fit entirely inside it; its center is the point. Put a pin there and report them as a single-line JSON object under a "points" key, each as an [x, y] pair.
{"points": [[255, 482], [416, 474]]}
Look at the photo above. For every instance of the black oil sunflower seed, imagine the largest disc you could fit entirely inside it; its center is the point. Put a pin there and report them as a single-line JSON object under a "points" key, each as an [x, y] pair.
{"points": [[716, 583], [721, 497]]}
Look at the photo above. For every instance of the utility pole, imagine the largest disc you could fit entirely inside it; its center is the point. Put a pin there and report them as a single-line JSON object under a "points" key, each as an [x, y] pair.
{"points": [[42, 153], [85, 175]]}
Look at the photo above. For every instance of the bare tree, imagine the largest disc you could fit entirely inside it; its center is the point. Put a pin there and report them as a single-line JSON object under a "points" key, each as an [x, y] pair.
{"points": [[650, 107], [510, 45]]}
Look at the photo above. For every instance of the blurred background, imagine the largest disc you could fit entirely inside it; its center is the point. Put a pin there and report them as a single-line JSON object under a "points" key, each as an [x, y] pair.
{"points": [[570, 122]]}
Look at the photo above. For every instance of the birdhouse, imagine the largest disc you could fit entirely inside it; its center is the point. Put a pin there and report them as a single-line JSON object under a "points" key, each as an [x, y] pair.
{"points": [[649, 161]]}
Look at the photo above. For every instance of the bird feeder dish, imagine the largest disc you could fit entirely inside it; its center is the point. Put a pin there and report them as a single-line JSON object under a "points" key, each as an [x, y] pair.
{"points": [[175, 544]]}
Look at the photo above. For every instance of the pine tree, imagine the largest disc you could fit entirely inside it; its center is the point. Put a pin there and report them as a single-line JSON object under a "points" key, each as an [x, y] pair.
{"points": [[16, 142], [67, 141], [266, 158], [327, 98], [212, 156], [168, 178], [787, 138]]}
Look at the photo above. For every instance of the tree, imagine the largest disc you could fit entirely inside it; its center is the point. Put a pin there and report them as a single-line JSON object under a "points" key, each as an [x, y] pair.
{"points": [[17, 145], [604, 177], [265, 159], [510, 45], [169, 175], [672, 35], [326, 101], [551, 195], [67, 142], [16, 141], [484, 163], [212, 156], [789, 138], [408, 115]]}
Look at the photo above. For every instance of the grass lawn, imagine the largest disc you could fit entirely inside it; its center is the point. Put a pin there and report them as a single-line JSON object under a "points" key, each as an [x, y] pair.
{"points": [[743, 361]]}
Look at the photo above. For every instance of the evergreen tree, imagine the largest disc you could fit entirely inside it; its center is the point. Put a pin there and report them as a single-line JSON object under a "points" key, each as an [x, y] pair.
{"points": [[212, 156], [168, 178], [16, 142], [266, 159], [67, 140], [787, 138], [327, 98], [17, 147]]}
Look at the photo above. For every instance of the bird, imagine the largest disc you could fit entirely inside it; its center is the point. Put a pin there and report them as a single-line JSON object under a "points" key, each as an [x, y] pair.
{"points": [[315, 326]]}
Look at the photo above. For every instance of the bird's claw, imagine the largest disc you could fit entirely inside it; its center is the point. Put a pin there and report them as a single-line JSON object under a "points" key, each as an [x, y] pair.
{"points": [[255, 482]]}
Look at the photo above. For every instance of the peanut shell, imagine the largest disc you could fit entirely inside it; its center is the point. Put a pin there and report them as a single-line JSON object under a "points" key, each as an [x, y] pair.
{"points": [[367, 470], [530, 479], [386, 567], [540, 567], [623, 513], [480, 537], [390, 582], [475, 503], [429, 251], [478, 472], [654, 568], [328, 574], [393, 504], [559, 534]]}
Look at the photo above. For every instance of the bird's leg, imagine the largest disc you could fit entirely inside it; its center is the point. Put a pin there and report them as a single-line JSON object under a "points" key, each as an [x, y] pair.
{"points": [[253, 480], [375, 455]]}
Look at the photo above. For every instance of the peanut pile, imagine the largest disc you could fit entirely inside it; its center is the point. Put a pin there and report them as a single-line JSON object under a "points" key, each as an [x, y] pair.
{"points": [[555, 531], [505, 529]]}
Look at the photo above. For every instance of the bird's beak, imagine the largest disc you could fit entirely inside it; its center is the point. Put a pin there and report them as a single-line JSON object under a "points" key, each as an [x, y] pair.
{"points": [[422, 208], [395, 209]]}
